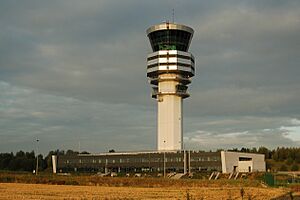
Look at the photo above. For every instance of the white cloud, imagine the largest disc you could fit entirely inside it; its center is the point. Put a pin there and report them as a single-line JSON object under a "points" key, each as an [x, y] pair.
{"points": [[295, 121], [242, 132], [292, 132]]}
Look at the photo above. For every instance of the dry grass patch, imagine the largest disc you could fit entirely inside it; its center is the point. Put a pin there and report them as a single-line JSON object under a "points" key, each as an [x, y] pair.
{"points": [[14, 191]]}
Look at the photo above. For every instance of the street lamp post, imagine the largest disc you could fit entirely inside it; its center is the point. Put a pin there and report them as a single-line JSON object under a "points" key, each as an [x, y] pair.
{"points": [[184, 160], [164, 159], [189, 158], [37, 157]]}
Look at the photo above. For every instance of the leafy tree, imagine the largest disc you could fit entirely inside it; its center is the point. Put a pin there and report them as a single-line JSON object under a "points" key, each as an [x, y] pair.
{"points": [[5, 159], [264, 150], [246, 150], [282, 153], [297, 156], [71, 152], [42, 162], [253, 150], [30, 155], [20, 154], [289, 161], [283, 168], [268, 165], [28, 164], [295, 167]]}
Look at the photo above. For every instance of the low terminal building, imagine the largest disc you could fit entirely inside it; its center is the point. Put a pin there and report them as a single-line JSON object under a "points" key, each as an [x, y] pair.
{"points": [[161, 161]]}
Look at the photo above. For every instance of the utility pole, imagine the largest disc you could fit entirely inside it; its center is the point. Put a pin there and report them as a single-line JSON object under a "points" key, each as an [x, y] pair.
{"points": [[189, 157], [164, 161], [79, 149], [184, 160], [106, 170], [37, 157]]}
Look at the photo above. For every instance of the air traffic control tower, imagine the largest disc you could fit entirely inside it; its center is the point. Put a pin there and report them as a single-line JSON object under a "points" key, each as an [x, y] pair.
{"points": [[169, 69]]}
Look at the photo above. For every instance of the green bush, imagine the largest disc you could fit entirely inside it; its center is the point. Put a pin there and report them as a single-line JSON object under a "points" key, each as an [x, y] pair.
{"points": [[289, 161], [283, 168], [295, 167]]}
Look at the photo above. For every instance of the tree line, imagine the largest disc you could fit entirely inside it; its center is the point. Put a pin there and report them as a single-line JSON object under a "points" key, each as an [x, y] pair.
{"points": [[282, 158], [279, 154], [279, 159], [26, 161]]}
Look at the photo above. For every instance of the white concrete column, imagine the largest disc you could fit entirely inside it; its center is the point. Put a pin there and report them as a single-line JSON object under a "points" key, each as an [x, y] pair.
{"points": [[169, 116]]}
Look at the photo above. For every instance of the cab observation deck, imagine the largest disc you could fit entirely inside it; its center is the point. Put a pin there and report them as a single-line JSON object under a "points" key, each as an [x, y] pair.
{"points": [[169, 36]]}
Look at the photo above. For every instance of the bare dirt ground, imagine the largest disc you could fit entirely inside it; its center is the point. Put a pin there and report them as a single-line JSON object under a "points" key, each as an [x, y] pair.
{"points": [[14, 191]]}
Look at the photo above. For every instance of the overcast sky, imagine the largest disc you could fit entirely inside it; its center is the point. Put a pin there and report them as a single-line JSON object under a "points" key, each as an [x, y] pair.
{"points": [[74, 71]]}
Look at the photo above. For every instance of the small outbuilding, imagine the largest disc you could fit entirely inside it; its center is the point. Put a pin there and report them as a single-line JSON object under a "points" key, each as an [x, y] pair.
{"points": [[242, 162]]}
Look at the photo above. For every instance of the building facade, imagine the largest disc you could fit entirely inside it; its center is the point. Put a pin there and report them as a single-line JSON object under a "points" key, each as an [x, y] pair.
{"points": [[242, 162], [161, 161]]}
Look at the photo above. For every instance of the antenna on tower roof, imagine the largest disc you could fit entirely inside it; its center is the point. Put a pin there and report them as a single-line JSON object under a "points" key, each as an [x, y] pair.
{"points": [[173, 13]]}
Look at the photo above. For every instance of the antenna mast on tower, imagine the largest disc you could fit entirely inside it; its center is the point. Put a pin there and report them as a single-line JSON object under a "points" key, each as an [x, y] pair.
{"points": [[173, 13]]}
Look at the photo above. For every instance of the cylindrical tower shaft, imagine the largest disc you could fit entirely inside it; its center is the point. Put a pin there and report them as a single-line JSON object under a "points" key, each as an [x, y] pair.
{"points": [[169, 113], [169, 69]]}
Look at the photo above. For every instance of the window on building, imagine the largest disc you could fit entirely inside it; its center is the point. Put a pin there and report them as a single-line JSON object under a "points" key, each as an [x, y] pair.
{"points": [[245, 159], [170, 40]]}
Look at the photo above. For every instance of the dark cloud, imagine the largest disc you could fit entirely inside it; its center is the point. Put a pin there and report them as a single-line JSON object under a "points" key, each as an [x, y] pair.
{"points": [[77, 70], [62, 122]]}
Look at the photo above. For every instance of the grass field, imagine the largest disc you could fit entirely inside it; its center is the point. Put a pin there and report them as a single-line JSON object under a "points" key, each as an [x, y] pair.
{"points": [[14, 191], [86, 186]]}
